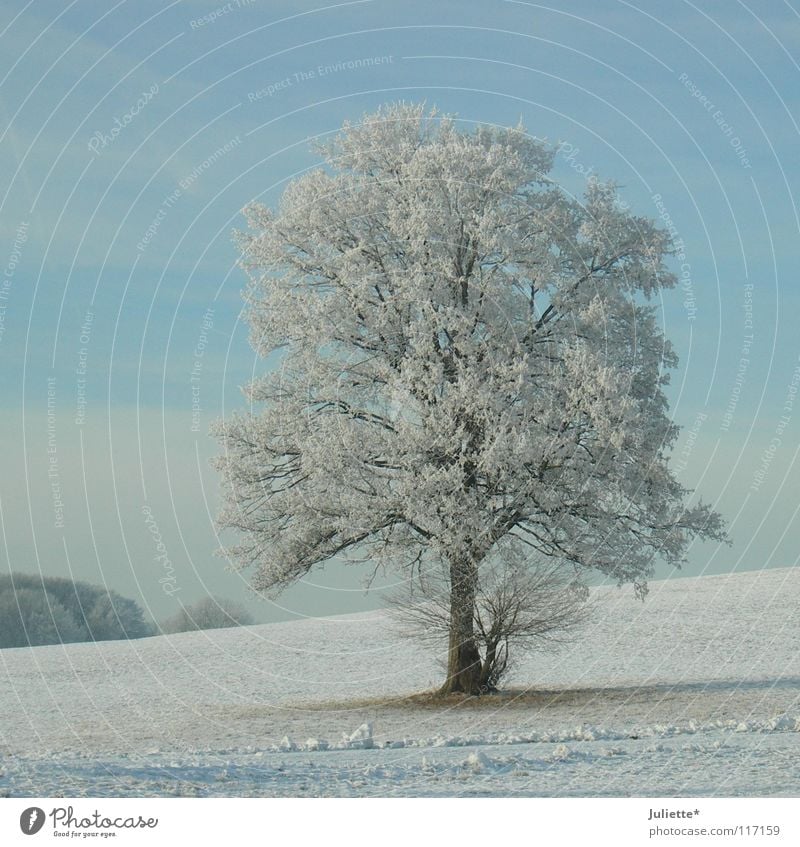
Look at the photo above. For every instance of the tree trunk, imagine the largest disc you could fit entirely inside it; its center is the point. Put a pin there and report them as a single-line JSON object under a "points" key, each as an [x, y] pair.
{"points": [[487, 669], [463, 658]]}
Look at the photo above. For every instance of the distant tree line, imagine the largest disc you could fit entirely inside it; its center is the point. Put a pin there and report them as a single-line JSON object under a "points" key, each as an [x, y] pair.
{"points": [[36, 610], [207, 613]]}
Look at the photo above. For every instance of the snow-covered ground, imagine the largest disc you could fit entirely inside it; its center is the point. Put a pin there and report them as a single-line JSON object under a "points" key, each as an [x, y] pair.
{"points": [[696, 691]]}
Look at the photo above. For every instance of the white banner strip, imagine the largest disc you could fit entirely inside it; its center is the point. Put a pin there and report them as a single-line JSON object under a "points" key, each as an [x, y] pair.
{"points": [[387, 822]]}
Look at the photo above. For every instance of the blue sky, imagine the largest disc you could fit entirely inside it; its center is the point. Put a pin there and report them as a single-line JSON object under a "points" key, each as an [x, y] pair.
{"points": [[119, 119]]}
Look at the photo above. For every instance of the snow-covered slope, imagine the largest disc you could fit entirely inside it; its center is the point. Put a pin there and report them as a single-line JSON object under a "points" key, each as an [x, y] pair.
{"points": [[704, 669]]}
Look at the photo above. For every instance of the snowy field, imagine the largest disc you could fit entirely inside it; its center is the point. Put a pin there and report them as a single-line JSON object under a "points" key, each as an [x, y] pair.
{"points": [[694, 692]]}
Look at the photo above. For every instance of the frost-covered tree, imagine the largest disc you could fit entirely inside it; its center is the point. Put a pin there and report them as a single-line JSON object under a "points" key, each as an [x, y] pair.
{"points": [[74, 611], [29, 618], [463, 353]]}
